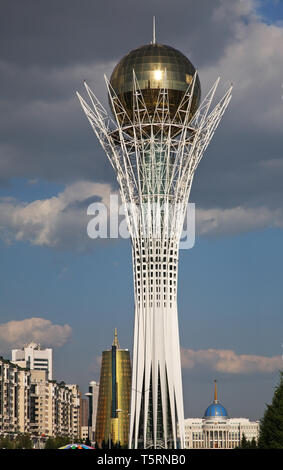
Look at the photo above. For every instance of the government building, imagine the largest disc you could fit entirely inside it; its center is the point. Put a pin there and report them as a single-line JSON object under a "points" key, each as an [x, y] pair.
{"points": [[216, 430]]}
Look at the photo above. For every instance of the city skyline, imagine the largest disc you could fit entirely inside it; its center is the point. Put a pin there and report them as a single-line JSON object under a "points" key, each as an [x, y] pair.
{"points": [[229, 282], [47, 408]]}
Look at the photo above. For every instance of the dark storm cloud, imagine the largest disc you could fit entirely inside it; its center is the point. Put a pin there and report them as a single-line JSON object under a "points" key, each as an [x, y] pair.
{"points": [[58, 33], [43, 130], [48, 48]]}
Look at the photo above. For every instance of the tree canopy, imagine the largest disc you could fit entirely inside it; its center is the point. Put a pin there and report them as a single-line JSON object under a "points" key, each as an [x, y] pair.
{"points": [[271, 425], [21, 441]]}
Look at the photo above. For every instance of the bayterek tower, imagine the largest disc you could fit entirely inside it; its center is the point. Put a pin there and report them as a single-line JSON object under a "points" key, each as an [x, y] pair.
{"points": [[154, 143]]}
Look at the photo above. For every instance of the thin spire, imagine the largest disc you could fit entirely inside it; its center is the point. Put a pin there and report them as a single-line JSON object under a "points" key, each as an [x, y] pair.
{"points": [[115, 341], [215, 392], [153, 32]]}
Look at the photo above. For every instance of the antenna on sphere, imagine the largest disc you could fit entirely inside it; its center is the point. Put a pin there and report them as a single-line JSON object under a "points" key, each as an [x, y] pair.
{"points": [[153, 32]]}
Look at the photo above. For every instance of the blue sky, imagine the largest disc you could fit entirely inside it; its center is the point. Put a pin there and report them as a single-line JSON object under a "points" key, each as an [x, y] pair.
{"points": [[271, 10], [229, 298], [230, 283]]}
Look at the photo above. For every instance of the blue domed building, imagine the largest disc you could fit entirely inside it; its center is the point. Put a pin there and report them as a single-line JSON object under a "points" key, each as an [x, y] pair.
{"points": [[215, 410], [215, 430]]}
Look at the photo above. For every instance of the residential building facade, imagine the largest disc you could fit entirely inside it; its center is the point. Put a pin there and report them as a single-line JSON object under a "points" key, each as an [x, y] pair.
{"points": [[14, 398], [33, 357], [30, 403]]}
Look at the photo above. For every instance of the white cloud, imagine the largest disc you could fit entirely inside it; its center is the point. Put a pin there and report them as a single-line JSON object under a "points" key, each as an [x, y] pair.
{"points": [[235, 10], [235, 220], [253, 63], [16, 333], [59, 221], [95, 366], [227, 361]]}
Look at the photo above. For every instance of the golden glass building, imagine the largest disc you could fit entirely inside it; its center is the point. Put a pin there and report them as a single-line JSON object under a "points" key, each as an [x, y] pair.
{"points": [[112, 422]]}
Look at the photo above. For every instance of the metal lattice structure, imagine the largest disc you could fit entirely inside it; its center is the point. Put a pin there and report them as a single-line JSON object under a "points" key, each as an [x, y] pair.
{"points": [[155, 158]]}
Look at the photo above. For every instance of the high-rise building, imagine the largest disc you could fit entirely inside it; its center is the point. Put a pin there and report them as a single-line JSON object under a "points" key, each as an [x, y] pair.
{"points": [[34, 358], [158, 136], [14, 398], [84, 415], [42, 399], [84, 418], [30, 403], [54, 407], [93, 391], [216, 430], [112, 423]]}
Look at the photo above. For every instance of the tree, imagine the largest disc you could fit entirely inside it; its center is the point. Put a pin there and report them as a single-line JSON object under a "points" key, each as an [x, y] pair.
{"points": [[58, 441], [271, 425], [244, 442], [49, 444], [253, 444], [6, 443], [23, 441]]}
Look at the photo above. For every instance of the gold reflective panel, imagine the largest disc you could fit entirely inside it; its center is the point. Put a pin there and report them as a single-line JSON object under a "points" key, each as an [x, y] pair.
{"points": [[115, 430], [112, 422], [103, 419], [158, 75], [156, 66]]}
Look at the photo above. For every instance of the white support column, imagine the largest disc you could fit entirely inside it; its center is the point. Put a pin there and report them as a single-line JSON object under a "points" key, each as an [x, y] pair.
{"points": [[155, 164]]}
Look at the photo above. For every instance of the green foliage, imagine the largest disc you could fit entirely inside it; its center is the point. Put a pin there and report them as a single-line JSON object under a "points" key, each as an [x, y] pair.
{"points": [[111, 445], [107, 444], [253, 444], [58, 441], [6, 443], [271, 425], [21, 441], [245, 444]]}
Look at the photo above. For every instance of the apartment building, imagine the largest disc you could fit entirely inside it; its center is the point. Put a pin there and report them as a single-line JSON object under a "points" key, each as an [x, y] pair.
{"points": [[14, 398], [30, 403]]}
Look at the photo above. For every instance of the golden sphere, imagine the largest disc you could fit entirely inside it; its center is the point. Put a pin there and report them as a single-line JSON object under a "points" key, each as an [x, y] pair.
{"points": [[156, 66]]}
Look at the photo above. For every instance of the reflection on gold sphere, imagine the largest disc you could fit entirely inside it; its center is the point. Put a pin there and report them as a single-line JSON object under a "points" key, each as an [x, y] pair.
{"points": [[156, 66]]}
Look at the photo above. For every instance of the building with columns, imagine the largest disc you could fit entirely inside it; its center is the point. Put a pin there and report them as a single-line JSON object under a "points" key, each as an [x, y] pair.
{"points": [[216, 430]]}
